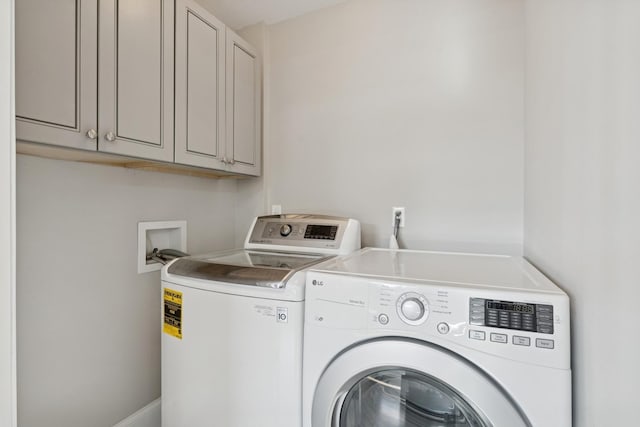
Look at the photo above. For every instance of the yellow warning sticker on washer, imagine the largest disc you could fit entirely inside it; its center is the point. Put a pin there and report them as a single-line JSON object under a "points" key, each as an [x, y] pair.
{"points": [[172, 313]]}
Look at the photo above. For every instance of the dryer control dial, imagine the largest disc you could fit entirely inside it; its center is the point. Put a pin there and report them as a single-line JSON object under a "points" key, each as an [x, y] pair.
{"points": [[412, 308]]}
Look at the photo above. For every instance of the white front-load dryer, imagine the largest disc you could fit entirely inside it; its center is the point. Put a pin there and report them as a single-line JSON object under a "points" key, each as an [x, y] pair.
{"points": [[399, 338]]}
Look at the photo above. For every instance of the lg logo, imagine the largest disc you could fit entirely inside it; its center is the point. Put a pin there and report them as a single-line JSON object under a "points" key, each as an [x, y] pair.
{"points": [[315, 282], [282, 315]]}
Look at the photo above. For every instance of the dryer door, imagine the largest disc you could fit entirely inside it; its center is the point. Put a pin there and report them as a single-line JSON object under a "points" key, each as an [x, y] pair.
{"points": [[398, 383]]}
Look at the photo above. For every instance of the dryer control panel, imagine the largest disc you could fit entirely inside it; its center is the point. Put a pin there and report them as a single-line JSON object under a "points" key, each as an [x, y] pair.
{"points": [[511, 315], [456, 301]]}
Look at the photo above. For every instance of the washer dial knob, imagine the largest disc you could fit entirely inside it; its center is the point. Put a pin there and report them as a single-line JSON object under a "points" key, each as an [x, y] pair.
{"points": [[285, 230], [412, 308]]}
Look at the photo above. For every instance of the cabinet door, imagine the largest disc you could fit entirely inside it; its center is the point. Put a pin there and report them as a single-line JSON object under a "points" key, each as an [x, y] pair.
{"points": [[136, 78], [200, 87], [244, 121], [56, 59]]}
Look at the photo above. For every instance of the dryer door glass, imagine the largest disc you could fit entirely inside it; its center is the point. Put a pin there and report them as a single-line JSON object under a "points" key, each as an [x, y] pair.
{"points": [[405, 398]]}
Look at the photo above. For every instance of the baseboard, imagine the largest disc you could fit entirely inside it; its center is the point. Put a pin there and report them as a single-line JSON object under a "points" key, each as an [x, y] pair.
{"points": [[149, 416]]}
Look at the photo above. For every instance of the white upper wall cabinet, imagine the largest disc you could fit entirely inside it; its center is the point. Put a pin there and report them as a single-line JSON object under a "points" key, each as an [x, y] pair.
{"points": [[99, 75], [70, 76], [56, 72], [136, 78], [200, 101], [218, 94], [244, 91]]}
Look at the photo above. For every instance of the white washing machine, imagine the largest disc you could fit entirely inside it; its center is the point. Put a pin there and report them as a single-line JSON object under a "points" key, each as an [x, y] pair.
{"points": [[233, 322], [413, 338]]}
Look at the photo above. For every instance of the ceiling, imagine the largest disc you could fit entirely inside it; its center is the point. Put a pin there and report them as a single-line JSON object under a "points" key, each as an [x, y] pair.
{"points": [[241, 13]]}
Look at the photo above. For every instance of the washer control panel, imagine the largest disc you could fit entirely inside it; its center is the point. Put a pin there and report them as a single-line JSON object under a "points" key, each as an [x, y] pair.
{"points": [[300, 231], [511, 315], [304, 233]]}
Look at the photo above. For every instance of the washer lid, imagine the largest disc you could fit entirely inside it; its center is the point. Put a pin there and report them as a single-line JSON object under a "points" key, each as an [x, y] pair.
{"points": [[245, 267]]}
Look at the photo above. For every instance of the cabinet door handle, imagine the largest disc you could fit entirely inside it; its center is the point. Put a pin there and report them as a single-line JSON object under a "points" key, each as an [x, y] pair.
{"points": [[224, 160], [92, 134], [110, 136], [232, 162]]}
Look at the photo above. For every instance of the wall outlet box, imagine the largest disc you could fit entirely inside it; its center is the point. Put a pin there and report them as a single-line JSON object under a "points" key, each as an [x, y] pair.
{"points": [[161, 235]]}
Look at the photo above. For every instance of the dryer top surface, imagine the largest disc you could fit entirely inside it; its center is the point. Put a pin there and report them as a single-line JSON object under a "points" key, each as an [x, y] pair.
{"points": [[481, 270]]}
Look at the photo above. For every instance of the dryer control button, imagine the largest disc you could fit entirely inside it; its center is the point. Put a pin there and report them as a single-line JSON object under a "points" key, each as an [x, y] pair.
{"points": [[383, 319], [501, 338], [443, 328], [476, 335], [518, 340], [542, 343]]}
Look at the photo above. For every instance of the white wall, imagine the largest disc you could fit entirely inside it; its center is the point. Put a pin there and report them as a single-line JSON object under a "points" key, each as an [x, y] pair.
{"points": [[88, 324], [250, 199], [418, 103], [582, 208], [7, 220]]}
